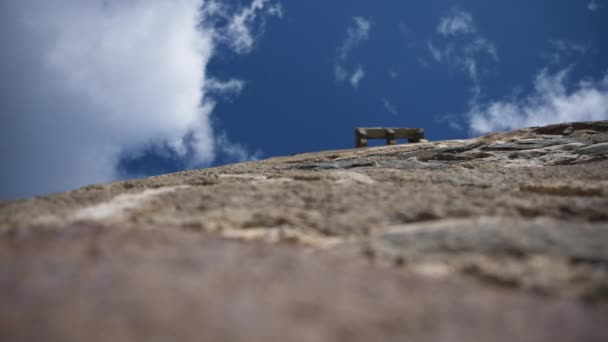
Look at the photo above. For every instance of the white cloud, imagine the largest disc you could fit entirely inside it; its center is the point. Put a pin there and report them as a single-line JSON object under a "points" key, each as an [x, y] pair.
{"points": [[234, 152], [469, 65], [552, 102], [340, 73], [564, 49], [593, 6], [435, 52], [232, 86], [465, 55], [83, 81], [456, 22], [357, 76], [356, 34], [481, 45], [390, 107], [452, 120], [568, 46], [354, 77], [239, 34]]}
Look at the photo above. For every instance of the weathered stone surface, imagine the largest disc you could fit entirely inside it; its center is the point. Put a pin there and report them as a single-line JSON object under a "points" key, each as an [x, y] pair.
{"points": [[502, 237], [338, 164], [89, 283], [597, 149], [585, 242], [543, 255], [530, 144]]}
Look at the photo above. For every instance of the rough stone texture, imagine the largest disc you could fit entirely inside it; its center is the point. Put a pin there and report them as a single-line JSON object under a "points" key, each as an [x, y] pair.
{"points": [[502, 238]]}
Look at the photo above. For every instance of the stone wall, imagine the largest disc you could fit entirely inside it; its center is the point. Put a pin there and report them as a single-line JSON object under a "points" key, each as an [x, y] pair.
{"points": [[499, 238]]}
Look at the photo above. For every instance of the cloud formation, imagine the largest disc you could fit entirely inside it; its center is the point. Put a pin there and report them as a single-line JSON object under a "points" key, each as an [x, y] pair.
{"points": [[83, 81], [593, 6], [469, 52], [244, 24], [455, 23], [230, 87], [563, 49], [234, 152], [357, 76], [355, 36], [551, 102], [568, 46], [390, 107]]}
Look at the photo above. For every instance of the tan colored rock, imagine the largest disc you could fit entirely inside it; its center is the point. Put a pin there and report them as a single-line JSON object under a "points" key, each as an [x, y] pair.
{"points": [[502, 238]]}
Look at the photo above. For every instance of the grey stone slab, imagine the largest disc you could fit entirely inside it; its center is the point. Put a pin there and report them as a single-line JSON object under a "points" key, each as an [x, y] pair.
{"points": [[339, 164], [494, 235], [527, 144], [597, 149]]}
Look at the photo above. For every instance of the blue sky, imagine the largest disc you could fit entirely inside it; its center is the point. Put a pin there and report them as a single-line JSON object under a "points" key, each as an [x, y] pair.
{"points": [[108, 90]]}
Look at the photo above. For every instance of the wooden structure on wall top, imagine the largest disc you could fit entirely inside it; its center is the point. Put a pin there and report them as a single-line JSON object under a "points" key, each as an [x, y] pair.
{"points": [[362, 134]]}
